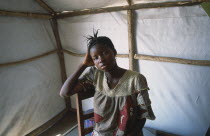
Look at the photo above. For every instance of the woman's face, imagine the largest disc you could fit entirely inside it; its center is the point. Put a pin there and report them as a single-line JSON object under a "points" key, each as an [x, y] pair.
{"points": [[103, 57]]}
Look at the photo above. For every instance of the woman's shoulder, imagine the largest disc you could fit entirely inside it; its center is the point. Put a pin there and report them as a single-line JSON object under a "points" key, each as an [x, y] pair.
{"points": [[135, 74]]}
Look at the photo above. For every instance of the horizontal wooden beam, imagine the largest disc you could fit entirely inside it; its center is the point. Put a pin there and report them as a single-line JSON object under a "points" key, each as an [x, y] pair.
{"points": [[173, 60], [154, 58], [131, 7], [83, 55], [136, 56], [25, 14], [28, 60], [45, 6]]}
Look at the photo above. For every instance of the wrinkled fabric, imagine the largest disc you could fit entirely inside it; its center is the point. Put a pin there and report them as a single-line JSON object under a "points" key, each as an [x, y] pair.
{"points": [[117, 110]]}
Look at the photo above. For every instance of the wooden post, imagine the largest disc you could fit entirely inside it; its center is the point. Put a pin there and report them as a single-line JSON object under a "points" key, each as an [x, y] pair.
{"points": [[61, 56], [131, 40]]}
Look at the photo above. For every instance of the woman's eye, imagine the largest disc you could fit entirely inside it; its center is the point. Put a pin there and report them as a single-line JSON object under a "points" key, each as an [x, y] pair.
{"points": [[94, 58], [105, 53]]}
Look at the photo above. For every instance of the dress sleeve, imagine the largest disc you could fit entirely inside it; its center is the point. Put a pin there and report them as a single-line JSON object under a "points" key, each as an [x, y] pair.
{"points": [[87, 79], [88, 75], [143, 100]]}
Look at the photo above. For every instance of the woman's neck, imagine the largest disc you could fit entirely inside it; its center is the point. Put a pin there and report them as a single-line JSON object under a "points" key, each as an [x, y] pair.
{"points": [[115, 72]]}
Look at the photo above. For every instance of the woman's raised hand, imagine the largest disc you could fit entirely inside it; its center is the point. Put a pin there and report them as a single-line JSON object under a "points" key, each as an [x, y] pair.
{"points": [[88, 61]]}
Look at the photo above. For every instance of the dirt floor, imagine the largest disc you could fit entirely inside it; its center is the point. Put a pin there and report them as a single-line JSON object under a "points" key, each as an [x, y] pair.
{"points": [[62, 126]]}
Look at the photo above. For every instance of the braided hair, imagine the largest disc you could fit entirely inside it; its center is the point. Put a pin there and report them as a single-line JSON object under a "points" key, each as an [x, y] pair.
{"points": [[102, 40]]}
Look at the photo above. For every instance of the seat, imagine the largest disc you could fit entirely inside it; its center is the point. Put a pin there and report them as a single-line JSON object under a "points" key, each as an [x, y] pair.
{"points": [[81, 116]]}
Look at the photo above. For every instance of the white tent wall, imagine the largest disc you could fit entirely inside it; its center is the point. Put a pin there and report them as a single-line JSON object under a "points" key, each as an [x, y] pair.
{"points": [[74, 30], [179, 92], [23, 5], [29, 92], [66, 5]]}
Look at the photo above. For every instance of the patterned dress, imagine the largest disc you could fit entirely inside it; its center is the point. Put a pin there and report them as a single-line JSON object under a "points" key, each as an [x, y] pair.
{"points": [[117, 110]]}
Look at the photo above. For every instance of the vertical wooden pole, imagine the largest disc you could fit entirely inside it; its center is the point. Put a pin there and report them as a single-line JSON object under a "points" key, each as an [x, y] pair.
{"points": [[80, 119], [131, 40], [54, 25]]}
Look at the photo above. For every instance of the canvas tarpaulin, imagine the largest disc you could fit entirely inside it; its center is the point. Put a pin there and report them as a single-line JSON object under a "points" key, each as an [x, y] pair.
{"points": [[179, 92], [29, 92]]}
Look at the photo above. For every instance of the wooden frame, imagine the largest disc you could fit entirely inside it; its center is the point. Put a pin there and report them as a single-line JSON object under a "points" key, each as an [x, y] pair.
{"points": [[81, 117], [45, 6], [128, 7], [25, 14]]}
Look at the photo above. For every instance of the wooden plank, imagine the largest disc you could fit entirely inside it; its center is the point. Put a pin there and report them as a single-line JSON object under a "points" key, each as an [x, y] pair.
{"points": [[88, 116], [88, 130], [132, 7], [25, 14]]}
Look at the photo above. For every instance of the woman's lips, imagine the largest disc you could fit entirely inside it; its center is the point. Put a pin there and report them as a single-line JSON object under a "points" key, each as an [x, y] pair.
{"points": [[103, 66]]}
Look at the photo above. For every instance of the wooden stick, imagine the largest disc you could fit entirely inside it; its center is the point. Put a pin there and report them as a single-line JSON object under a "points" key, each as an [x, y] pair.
{"points": [[59, 47], [54, 25], [46, 7], [154, 58], [83, 55], [25, 14], [132, 7], [173, 60], [28, 60], [131, 42]]}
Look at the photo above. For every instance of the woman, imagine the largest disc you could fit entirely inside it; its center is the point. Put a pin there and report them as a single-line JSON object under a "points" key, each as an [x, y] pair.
{"points": [[121, 100]]}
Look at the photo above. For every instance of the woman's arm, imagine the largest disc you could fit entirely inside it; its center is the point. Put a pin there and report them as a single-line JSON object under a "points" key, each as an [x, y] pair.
{"points": [[71, 85]]}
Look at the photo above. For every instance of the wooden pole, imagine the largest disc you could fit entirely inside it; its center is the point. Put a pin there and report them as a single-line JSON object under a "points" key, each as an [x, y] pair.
{"points": [[131, 40], [28, 60], [154, 58], [46, 7], [83, 55], [132, 7], [54, 25], [173, 60], [25, 14]]}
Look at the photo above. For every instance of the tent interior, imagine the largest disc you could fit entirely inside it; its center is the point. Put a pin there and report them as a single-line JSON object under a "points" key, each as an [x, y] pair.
{"points": [[43, 42]]}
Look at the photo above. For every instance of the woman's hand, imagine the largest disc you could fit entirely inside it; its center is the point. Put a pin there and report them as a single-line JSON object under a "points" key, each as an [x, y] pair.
{"points": [[88, 61]]}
